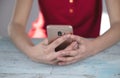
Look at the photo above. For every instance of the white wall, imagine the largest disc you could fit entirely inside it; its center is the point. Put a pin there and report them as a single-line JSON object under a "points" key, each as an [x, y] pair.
{"points": [[105, 25], [6, 9]]}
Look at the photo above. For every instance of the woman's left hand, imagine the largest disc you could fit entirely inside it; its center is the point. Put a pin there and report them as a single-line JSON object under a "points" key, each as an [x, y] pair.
{"points": [[80, 49]]}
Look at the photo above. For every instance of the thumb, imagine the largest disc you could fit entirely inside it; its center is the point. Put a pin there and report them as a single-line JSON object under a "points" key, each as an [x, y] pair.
{"points": [[44, 42]]}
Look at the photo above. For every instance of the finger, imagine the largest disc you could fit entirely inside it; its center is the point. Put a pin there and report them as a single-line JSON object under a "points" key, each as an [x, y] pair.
{"points": [[69, 60], [55, 62], [66, 59], [55, 59], [58, 41], [74, 45], [70, 53], [54, 56], [44, 42], [66, 63]]}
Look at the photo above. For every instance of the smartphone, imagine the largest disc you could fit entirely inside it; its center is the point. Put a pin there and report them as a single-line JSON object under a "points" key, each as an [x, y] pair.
{"points": [[55, 31]]}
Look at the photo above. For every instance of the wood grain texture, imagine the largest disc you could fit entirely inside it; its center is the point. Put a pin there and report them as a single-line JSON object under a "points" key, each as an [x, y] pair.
{"points": [[14, 64]]}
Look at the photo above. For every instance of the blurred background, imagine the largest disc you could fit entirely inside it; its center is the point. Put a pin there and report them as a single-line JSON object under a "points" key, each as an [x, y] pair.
{"points": [[6, 10]]}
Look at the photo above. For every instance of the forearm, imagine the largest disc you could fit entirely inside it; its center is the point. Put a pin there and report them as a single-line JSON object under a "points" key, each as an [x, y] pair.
{"points": [[20, 38], [111, 37]]}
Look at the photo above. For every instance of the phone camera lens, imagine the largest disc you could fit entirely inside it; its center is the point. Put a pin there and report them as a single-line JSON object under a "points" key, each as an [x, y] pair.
{"points": [[59, 33]]}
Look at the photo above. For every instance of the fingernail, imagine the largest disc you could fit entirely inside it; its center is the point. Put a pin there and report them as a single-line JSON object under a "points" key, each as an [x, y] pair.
{"points": [[76, 45]]}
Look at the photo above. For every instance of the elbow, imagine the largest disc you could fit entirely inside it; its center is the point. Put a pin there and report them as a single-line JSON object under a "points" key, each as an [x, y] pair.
{"points": [[15, 28]]}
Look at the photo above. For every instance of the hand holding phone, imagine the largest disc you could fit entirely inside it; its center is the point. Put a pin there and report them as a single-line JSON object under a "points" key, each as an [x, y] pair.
{"points": [[55, 31]]}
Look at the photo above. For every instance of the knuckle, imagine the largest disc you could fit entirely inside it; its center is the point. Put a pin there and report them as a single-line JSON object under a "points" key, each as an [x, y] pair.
{"points": [[76, 58], [68, 53], [65, 59], [77, 52]]}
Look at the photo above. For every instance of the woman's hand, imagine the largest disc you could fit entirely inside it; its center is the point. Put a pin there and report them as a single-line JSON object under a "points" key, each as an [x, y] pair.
{"points": [[45, 53], [80, 49]]}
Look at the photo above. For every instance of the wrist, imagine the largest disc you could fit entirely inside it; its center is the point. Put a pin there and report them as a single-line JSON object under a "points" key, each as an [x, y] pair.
{"points": [[98, 47], [94, 47], [28, 50]]}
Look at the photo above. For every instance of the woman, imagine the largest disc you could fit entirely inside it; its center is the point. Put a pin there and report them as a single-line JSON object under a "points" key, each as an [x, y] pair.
{"points": [[85, 18]]}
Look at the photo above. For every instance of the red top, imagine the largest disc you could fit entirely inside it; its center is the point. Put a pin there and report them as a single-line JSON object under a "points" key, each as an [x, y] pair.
{"points": [[84, 16]]}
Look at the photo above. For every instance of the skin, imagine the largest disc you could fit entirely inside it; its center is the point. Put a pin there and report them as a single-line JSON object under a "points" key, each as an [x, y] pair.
{"points": [[89, 47], [80, 49]]}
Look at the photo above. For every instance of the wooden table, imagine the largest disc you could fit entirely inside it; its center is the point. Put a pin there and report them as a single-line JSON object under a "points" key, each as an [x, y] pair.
{"points": [[14, 64]]}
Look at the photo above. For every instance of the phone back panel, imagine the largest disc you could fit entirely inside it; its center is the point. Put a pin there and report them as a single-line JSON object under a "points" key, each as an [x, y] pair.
{"points": [[55, 31]]}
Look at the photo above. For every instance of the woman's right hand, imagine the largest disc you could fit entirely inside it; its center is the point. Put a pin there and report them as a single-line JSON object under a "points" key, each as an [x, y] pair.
{"points": [[45, 53]]}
